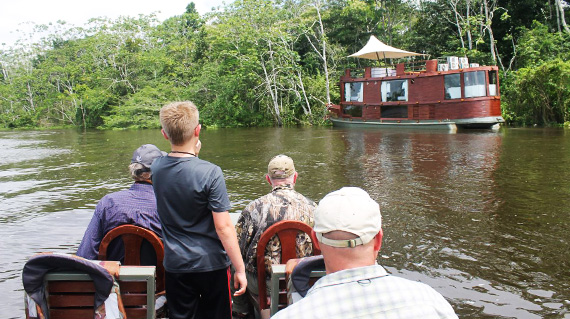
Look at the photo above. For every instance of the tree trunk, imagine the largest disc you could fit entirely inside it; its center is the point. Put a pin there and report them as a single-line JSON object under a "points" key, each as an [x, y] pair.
{"points": [[30, 97], [488, 19], [467, 14], [306, 109], [557, 16], [271, 89], [5, 74], [453, 4], [324, 54], [562, 20]]}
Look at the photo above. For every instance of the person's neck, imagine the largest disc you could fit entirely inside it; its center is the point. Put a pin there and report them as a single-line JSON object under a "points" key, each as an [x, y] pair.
{"points": [[337, 259], [332, 267], [275, 187], [186, 150]]}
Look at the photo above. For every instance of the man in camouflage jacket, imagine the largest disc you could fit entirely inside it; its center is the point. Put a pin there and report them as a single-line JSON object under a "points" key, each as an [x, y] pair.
{"points": [[283, 203]]}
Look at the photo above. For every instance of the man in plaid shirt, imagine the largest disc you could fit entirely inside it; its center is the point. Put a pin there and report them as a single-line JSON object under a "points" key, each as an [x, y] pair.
{"points": [[348, 229], [133, 206]]}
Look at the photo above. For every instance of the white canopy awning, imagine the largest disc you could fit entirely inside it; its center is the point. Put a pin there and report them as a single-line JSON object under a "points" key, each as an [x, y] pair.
{"points": [[376, 50]]}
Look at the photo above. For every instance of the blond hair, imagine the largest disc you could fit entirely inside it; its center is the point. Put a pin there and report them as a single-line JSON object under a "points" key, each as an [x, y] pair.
{"points": [[178, 120]]}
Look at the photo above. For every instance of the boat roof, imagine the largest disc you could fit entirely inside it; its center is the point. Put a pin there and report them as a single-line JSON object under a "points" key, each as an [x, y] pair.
{"points": [[376, 50]]}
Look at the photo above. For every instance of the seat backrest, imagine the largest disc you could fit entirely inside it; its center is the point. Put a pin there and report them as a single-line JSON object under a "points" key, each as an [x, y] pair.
{"points": [[287, 231], [70, 294], [132, 237], [301, 274], [61, 286]]}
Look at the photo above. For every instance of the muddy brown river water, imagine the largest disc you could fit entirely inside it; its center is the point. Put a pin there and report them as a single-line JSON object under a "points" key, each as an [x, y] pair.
{"points": [[481, 216]]}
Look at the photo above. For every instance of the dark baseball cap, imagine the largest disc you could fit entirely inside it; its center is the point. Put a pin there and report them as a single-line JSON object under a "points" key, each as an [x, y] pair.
{"points": [[146, 154]]}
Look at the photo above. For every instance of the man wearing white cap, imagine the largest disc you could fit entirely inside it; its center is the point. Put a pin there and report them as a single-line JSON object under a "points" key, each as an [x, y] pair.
{"points": [[348, 226]]}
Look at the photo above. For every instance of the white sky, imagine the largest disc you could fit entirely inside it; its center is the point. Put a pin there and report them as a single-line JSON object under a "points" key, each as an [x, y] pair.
{"points": [[16, 14]]}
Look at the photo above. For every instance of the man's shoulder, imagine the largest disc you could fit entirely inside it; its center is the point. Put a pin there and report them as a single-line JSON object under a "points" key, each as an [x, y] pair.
{"points": [[307, 200], [200, 166], [111, 197], [292, 195], [400, 283], [195, 161], [280, 196], [194, 167], [305, 308], [262, 199]]}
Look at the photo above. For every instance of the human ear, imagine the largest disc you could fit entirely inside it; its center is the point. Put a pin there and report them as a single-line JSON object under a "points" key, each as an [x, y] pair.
{"points": [[164, 133], [315, 242], [378, 240], [198, 129]]}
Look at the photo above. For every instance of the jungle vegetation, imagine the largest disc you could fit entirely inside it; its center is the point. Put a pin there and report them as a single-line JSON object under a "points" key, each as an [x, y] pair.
{"points": [[274, 62]]}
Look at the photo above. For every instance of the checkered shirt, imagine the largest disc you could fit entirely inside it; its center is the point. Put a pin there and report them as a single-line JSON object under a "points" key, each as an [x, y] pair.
{"points": [[134, 206], [368, 292]]}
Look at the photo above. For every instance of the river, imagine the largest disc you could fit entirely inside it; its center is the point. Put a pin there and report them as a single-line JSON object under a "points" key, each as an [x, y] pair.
{"points": [[481, 216]]}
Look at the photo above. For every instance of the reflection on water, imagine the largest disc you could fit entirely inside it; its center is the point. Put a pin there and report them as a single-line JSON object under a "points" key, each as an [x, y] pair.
{"points": [[481, 216]]}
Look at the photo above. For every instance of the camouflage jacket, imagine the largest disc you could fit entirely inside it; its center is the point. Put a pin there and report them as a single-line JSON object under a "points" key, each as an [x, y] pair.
{"points": [[283, 203]]}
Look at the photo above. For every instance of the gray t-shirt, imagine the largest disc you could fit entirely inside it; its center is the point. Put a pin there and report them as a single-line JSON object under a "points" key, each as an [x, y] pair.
{"points": [[187, 191]]}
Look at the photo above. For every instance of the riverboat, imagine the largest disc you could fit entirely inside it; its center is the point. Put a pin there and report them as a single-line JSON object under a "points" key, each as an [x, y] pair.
{"points": [[439, 93]]}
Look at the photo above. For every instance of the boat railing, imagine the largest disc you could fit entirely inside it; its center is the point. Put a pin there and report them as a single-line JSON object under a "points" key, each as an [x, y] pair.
{"points": [[412, 67], [415, 66], [357, 73], [441, 60], [389, 70]]}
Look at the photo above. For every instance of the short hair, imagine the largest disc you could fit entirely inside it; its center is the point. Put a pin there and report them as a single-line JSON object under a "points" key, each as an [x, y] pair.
{"points": [[139, 172], [281, 181], [178, 120]]}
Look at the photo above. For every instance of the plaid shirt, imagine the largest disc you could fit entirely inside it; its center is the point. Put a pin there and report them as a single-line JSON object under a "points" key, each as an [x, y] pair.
{"points": [[368, 292], [135, 206], [283, 203]]}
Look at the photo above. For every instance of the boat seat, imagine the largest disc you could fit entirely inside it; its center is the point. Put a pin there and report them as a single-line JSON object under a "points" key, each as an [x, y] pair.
{"points": [[71, 294], [286, 231], [62, 286], [301, 275], [134, 238]]}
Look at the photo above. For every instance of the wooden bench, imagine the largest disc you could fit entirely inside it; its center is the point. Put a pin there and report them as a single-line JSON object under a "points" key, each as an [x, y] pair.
{"points": [[71, 294]]}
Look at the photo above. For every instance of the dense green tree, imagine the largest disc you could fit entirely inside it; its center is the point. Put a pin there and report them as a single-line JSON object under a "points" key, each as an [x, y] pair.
{"points": [[540, 95], [436, 33], [537, 45], [273, 62]]}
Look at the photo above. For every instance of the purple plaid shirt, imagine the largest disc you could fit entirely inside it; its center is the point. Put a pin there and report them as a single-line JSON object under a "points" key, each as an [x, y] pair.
{"points": [[135, 206]]}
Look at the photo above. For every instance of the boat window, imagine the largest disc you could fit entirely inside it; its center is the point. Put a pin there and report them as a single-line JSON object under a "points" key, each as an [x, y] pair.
{"points": [[452, 86], [475, 84], [353, 92], [394, 111], [352, 110], [394, 91], [493, 83]]}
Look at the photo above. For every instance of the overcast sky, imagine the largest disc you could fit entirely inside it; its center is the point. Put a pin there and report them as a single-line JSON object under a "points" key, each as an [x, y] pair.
{"points": [[16, 14]]}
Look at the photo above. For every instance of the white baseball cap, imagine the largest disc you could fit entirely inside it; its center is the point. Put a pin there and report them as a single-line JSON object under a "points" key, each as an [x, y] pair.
{"points": [[349, 209]]}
